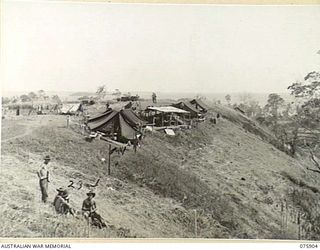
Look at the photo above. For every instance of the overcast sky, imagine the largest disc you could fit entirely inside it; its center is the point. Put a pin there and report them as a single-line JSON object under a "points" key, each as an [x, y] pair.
{"points": [[61, 46]]}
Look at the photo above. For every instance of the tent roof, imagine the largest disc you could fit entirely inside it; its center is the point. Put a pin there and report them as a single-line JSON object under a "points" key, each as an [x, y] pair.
{"points": [[187, 106], [69, 108], [127, 115], [95, 117], [168, 109], [131, 117], [96, 122], [200, 103]]}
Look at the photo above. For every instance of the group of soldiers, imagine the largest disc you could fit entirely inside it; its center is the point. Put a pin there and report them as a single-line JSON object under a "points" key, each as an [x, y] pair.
{"points": [[61, 201]]}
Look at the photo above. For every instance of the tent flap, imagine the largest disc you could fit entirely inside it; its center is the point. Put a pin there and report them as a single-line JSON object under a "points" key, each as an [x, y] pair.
{"points": [[126, 130]]}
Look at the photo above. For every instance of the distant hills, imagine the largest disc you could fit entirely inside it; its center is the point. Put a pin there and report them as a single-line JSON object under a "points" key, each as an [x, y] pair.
{"points": [[82, 94]]}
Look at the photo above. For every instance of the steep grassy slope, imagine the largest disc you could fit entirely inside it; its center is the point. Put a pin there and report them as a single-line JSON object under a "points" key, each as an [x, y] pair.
{"points": [[227, 177]]}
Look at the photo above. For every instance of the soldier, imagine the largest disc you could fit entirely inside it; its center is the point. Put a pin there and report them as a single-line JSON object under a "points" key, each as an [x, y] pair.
{"points": [[44, 179], [89, 210], [61, 202], [60, 192], [154, 98], [108, 107]]}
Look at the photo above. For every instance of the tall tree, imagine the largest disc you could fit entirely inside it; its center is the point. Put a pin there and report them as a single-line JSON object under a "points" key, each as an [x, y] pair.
{"points": [[308, 111], [308, 94], [41, 93], [275, 101], [25, 98], [5, 100], [32, 95], [101, 92]]}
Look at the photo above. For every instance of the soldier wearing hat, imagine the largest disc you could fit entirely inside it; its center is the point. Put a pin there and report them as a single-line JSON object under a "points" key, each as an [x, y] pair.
{"points": [[89, 210], [61, 202], [44, 179], [60, 191]]}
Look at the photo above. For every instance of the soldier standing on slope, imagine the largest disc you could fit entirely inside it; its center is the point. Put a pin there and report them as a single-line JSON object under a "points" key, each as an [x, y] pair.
{"points": [[43, 175]]}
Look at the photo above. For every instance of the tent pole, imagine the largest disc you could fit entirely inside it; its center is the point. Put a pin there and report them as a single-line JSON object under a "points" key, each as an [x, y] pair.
{"points": [[162, 119], [109, 160]]}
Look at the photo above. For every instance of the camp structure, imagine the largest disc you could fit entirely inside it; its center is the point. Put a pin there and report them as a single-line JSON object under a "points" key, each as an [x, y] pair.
{"points": [[200, 105], [39, 107], [187, 106], [166, 116], [120, 125], [308, 137], [70, 109]]}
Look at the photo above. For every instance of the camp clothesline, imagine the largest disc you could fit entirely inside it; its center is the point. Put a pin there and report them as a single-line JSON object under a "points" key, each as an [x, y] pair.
{"points": [[113, 143]]}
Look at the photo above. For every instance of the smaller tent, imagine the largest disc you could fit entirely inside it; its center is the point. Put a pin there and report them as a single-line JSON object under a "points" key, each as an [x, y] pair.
{"points": [[166, 115], [199, 104], [70, 109], [123, 125]]}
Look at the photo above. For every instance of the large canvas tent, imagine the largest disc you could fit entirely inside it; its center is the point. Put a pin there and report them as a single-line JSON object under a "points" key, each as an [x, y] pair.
{"points": [[123, 124], [199, 104]]}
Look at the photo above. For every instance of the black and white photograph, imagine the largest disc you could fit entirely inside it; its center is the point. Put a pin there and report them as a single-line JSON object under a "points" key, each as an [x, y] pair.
{"points": [[159, 121]]}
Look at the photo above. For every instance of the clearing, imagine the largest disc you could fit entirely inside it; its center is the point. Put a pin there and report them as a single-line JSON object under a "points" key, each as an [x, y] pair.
{"points": [[218, 181]]}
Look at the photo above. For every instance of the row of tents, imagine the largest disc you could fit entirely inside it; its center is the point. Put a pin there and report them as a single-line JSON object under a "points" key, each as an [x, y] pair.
{"points": [[123, 125]]}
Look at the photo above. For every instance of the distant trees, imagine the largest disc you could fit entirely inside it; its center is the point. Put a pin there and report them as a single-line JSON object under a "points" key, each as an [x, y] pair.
{"points": [[56, 98], [117, 93], [245, 98], [25, 98], [5, 100], [32, 96], [253, 109], [15, 99], [41, 93], [101, 92], [248, 104]]}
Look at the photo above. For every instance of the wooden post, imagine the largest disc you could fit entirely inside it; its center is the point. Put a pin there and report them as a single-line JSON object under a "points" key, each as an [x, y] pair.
{"points": [[88, 227], [162, 116], [282, 219], [195, 224], [68, 120], [286, 216], [299, 230], [109, 160]]}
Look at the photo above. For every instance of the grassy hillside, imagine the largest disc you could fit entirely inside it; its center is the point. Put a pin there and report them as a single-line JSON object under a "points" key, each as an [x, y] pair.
{"points": [[225, 178]]}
